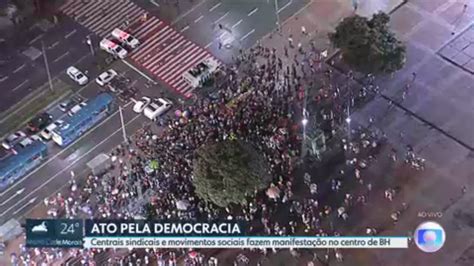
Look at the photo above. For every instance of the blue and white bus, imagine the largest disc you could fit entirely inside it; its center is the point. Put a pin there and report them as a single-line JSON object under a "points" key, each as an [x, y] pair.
{"points": [[15, 165], [89, 115]]}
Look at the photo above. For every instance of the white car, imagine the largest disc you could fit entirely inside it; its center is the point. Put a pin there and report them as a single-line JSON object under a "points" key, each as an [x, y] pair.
{"points": [[113, 48], [76, 75], [46, 133], [141, 104], [76, 108], [157, 108], [126, 38], [106, 77], [13, 139]]}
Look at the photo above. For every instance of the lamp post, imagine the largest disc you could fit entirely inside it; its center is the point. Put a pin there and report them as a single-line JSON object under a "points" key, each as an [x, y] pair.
{"points": [[47, 67], [277, 15]]}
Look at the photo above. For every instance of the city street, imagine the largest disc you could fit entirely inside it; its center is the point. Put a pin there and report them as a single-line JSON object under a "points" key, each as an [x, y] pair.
{"points": [[25, 70], [32, 189]]}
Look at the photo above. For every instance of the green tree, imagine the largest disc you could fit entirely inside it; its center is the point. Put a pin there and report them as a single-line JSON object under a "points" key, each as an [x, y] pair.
{"points": [[228, 172], [368, 46]]}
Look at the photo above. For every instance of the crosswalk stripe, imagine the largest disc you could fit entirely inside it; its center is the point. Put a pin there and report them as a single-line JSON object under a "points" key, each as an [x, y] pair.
{"points": [[88, 10], [183, 87], [169, 48], [97, 23], [68, 7], [171, 66], [99, 14], [160, 37], [151, 24], [167, 59], [119, 19], [186, 65], [164, 52]]}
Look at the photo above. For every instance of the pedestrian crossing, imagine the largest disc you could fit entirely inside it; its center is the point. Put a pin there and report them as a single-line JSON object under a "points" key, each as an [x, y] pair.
{"points": [[164, 52]]}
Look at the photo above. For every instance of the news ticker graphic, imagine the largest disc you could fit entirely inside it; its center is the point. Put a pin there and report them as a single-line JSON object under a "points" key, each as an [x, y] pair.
{"points": [[284, 242], [145, 234]]}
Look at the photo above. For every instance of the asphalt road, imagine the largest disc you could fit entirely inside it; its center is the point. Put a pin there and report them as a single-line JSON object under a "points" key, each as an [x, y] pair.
{"points": [[244, 23], [54, 173], [25, 70], [65, 44]]}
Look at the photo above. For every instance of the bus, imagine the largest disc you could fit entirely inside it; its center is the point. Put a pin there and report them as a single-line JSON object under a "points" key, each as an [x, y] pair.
{"points": [[15, 165], [89, 115]]}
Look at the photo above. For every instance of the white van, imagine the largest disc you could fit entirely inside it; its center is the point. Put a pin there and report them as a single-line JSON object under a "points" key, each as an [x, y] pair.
{"points": [[113, 48], [125, 37], [201, 72]]}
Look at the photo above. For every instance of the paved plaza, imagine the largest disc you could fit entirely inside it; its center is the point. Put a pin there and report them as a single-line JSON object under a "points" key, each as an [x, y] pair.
{"points": [[435, 118]]}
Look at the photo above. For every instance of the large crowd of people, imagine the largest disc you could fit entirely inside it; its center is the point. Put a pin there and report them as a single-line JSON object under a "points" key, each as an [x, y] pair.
{"points": [[260, 100]]}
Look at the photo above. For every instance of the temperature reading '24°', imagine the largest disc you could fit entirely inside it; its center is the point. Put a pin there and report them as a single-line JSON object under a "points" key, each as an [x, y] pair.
{"points": [[68, 229]]}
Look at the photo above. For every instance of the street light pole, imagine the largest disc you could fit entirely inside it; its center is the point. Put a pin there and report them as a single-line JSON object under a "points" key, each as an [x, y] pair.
{"points": [[123, 125], [277, 16], [47, 67]]}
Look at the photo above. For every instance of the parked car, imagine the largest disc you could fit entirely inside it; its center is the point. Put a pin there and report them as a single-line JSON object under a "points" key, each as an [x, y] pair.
{"points": [[141, 104], [126, 38], [113, 48], [39, 122], [46, 133], [13, 139], [106, 77], [76, 75], [76, 109], [67, 105], [157, 108]]}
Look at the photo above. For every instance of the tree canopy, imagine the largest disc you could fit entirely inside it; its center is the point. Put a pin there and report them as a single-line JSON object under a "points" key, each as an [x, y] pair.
{"points": [[228, 172], [369, 46]]}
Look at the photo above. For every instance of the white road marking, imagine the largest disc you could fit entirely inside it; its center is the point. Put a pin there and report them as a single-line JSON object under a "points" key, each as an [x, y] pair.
{"points": [[215, 6], [198, 19], [221, 18], [184, 29], [18, 192], [3, 78], [53, 45], [247, 35], [70, 34], [35, 39], [68, 166], [252, 12], [188, 12], [61, 152], [61, 57], [31, 201], [208, 45], [155, 3], [139, 72], [285, 6], [237, 23], [19, 68], [19, 86]]}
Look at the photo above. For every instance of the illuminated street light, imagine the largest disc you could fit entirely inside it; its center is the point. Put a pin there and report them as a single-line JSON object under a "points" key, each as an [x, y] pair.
{"points": [[348, 120], [304, 121]]}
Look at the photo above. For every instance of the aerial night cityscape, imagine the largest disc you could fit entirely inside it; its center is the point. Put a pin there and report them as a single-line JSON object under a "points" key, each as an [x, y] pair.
{"points": [[237, 132]]}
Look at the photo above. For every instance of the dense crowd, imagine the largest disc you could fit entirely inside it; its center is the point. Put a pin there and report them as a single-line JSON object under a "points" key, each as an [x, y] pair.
{"points": [[259, 100]]}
